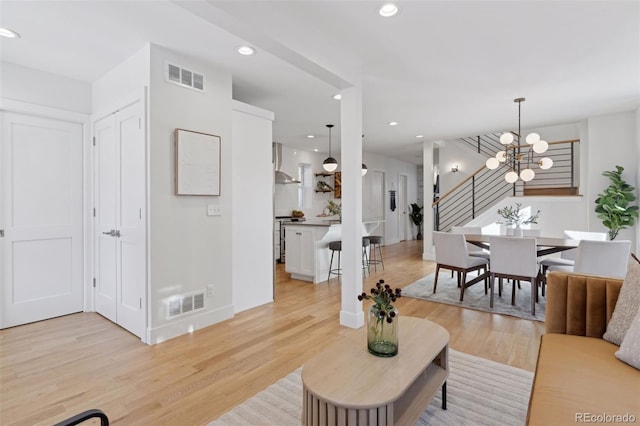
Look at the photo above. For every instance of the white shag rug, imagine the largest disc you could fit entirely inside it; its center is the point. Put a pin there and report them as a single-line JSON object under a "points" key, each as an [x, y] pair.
{"points": [[479, 392]]}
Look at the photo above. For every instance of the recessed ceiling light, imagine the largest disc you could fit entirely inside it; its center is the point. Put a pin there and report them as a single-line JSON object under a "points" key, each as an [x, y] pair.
{"points": [[6, 32], [393, 123], [419, 136], [337, 97], [388, 9], [246, 50], [315, 149], [310, 136]]}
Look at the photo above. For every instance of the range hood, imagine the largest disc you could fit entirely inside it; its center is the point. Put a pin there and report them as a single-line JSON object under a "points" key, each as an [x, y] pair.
{"points": [[281, 177]]}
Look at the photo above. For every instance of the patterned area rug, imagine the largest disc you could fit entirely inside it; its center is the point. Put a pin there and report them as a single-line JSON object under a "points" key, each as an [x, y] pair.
{"points": [[479, 392], [474, 297]]}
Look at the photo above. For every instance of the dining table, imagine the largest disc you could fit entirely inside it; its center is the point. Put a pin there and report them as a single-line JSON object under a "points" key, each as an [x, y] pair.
{"points": [[545, 245]]}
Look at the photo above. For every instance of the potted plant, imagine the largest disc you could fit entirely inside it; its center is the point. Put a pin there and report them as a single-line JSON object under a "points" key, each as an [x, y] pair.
{"points": [[513, 217], [613, 206], [417, 218]]}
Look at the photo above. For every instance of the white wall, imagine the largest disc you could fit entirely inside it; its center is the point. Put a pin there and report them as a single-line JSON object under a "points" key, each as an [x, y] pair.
{"points": [[118, 84], [252, 175], [458, 153], [611, 140], [188, 249], [556, 214], [40, 88]]}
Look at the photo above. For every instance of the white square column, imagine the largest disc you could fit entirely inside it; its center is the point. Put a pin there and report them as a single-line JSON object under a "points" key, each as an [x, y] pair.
{"points": [[351, 314]]}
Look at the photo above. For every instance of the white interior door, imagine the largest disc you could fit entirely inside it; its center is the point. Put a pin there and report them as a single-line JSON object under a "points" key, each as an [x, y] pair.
{"points": [[403, 217], [377, 199], [41, 263], [120, 236]]}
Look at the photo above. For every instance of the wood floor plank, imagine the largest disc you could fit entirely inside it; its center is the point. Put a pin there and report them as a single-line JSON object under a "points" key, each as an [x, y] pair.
{"points": [[54, 369]]}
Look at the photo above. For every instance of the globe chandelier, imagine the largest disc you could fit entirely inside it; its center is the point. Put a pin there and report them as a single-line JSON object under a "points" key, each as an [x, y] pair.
{"points": [[518, 158], [330, 163]]}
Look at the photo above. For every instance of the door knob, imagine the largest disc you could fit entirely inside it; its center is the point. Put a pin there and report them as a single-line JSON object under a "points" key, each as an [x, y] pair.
{"points": [[113, 233]]}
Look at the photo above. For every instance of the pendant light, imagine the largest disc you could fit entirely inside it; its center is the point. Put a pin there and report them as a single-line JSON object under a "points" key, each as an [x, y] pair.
{"points": [[518, 158], [364, 166], [330, 163]]}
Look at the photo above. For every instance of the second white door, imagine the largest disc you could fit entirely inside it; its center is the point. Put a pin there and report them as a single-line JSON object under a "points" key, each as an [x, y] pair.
{"points": [[120, 231]]}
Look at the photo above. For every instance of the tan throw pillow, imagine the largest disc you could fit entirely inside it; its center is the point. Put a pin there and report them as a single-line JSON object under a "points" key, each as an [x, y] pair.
{"points": [[630, 348], [627, 305]]}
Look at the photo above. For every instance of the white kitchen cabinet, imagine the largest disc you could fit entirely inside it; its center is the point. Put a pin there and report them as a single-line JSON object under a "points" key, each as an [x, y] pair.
{"points": [[300, 260]]}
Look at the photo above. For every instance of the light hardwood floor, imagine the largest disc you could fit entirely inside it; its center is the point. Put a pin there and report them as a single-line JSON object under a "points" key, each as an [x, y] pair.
{"points": [[53, 369]]}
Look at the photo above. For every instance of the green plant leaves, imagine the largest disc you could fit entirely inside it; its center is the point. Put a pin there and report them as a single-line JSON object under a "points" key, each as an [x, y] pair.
{"points": [[613, 204]]}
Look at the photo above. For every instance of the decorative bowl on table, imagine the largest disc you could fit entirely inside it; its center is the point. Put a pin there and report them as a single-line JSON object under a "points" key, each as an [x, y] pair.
{"points": [[297, 213]]}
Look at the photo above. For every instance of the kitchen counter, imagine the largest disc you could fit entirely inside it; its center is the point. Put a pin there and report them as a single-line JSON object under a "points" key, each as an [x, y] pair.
{"points": [[307, 246]]}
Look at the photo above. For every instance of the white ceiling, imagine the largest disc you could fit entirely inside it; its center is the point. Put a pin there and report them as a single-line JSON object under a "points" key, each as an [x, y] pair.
{"points": [[442, 69]]}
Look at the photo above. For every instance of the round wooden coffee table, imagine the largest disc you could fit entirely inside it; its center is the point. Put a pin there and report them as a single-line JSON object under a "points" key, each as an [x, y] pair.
{"points": [[346, 385]]}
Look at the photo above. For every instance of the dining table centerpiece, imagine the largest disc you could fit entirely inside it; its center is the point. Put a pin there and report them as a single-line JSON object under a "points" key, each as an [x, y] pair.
{"points": [[382, 320], [514, 216]]}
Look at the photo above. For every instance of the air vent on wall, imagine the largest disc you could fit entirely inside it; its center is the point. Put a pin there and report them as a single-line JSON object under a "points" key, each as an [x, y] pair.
{"points": [[183, 304], [183, 77]]}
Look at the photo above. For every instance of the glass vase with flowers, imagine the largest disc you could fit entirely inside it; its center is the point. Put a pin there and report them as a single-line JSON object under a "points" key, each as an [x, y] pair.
{"points": [[382, 320]]}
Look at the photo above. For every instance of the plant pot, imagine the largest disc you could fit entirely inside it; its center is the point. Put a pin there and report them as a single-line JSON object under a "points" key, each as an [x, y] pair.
{"points": [[382, 336], [419, 236], [517, 231]]}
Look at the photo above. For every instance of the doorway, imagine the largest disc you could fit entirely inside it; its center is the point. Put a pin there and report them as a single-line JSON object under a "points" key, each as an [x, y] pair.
{"points": [[41, 242]]}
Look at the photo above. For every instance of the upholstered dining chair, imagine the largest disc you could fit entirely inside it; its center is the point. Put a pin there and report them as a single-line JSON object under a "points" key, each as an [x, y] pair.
{"points": [[514, 258], [604, 258], [568, 257], [473, 250], [452, 254]]}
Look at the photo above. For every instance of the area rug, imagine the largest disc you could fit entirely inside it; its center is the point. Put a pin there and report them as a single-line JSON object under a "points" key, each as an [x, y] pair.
{"points": [[474, 297], [479, 392]]}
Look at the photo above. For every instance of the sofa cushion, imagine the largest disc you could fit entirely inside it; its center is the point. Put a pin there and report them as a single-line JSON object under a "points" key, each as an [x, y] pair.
{"points": [[577, 375], [630, 348], [627, 305]]}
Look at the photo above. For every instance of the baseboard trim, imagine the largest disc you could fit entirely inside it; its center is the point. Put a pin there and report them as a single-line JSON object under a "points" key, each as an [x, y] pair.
{"points": [[188, 324]]}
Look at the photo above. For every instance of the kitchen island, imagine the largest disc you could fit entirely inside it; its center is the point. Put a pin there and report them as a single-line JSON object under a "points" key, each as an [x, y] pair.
{"points": [[307, 247]]}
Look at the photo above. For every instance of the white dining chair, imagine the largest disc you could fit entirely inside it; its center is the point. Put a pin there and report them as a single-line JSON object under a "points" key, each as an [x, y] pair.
{"points": [[474, 250], [452, 254], [604, 258], [568, 257], [514, 258]]}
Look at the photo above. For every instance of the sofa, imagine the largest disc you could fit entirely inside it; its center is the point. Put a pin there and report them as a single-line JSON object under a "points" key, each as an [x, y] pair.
{"points": [[578, 379]]}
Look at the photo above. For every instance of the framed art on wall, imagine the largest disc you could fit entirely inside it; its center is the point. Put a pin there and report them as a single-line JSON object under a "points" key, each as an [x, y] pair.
{"points": [[197, 163]]}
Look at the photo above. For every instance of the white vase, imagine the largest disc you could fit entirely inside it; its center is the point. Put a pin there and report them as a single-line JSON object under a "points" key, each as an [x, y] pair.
{"points": [[517, 231]]}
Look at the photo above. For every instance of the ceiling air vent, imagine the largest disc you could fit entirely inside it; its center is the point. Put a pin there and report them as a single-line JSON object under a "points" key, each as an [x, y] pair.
{"points": [[183, 304], [183, 77]]}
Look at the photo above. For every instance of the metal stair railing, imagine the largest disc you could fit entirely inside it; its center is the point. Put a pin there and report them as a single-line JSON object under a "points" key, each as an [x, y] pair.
{"points": [[485, 187]]}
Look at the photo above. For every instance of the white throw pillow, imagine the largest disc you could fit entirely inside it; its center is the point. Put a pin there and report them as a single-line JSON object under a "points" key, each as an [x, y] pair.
{"points": [[629, 351], [627, 305]]}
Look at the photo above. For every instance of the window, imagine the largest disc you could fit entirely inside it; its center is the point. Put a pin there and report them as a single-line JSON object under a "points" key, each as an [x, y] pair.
{"points": [[304, 187]]}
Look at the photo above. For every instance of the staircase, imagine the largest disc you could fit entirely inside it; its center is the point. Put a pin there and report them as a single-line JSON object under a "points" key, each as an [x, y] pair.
{"points": [[485, 187]]}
